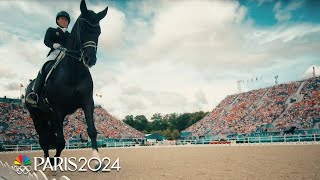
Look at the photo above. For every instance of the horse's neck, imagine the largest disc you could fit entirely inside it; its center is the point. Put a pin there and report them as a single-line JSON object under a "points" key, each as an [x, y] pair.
{"points": [[72, 68]]}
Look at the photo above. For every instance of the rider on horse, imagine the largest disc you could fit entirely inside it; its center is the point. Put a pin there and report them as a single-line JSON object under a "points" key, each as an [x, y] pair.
{"points": [[55, 39]]}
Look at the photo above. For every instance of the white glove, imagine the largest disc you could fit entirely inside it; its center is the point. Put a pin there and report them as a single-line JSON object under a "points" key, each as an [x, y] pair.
{"points": [[56, 45]]}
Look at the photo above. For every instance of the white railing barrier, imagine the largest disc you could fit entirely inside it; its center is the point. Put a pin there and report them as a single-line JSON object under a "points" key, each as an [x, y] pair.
{"points": [[119, 144], [305, 139], [315, 138]]}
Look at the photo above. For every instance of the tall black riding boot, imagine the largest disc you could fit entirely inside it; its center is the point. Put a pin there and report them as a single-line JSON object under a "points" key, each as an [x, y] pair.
{"points": [[33, 97]]}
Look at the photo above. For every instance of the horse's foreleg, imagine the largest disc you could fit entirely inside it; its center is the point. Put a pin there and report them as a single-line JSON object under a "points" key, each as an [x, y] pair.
{"points": [[42, 128], [43, 141], [60, 142], [92, 132]]}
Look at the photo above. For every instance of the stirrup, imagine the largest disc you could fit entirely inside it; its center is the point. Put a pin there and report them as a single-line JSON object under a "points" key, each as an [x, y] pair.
{"points": [[30, 100]]}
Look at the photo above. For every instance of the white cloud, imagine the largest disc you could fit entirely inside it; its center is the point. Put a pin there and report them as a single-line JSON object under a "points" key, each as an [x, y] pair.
{"points": [[260, 2], [12, 86], [285, 13], [172, 56], [201, 97], [28, 7], [6, 36], [6, 72], [21, 60], [112, 27], [162, 87], [191, 32], [214, 36]]}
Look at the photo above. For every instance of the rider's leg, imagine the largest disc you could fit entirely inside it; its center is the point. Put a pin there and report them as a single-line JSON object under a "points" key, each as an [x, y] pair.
{"points": [[33, 97]]}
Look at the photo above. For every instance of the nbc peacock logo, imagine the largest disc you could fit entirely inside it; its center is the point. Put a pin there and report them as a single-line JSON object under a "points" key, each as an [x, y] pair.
{"points": [[22, 164]]}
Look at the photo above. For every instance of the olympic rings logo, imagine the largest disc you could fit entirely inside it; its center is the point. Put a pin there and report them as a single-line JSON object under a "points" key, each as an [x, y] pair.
{"points": [[21, 169]]}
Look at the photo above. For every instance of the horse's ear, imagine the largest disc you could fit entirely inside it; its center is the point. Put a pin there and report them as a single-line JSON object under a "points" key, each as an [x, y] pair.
{"points": [[103, 13], [83, 6]]}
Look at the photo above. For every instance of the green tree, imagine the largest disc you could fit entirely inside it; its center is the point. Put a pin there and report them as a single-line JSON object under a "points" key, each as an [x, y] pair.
{"points": [[129, 120], [156, 123], [166, 124], [142, 122], [182, 121], [167, 133], [156, 116], [175, 134], [172, 121]]}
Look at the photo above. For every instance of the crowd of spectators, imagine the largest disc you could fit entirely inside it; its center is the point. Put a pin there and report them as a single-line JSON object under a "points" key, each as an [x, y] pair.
{"points": [[304, 113], [16, 125], [267, 109], [107, 125], [209, 122]]}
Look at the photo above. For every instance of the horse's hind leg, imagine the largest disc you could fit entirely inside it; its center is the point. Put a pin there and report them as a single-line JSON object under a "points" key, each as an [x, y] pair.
{"points": [[92, 132]]}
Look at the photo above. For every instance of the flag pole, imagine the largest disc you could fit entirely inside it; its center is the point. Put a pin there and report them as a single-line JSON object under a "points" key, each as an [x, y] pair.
{"points": [[20, 92], [21, 86]]}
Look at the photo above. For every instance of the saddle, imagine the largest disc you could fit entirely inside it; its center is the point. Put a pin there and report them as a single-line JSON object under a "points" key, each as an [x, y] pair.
{"points": [[47, 70]]}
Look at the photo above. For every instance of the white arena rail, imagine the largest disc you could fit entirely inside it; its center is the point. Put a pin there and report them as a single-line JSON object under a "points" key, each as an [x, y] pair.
{"points": [[260, 140]]}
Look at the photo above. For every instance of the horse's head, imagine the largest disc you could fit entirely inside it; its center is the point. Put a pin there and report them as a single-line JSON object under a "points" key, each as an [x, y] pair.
{"points": [[88, 33]]}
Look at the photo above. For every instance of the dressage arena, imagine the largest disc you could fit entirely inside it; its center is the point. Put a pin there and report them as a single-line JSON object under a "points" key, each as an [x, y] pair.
{"points": [[200, 162]]}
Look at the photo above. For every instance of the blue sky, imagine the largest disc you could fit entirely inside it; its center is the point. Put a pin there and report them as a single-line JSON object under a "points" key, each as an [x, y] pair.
{"points": [[170, 56], [263, 12]]}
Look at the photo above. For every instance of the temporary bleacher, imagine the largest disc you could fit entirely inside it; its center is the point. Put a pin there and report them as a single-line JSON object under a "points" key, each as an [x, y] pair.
{"points": [[264, 109]]}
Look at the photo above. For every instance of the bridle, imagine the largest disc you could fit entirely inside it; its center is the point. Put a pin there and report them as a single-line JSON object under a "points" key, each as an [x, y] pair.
{"points": [[86, 44]]}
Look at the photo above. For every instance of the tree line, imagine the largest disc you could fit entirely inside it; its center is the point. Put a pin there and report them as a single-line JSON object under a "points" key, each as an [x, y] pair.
{"points": [[168, 125]]}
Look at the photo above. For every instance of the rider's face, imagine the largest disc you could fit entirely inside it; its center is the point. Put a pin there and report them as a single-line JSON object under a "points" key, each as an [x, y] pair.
{"points": [[63, 22]]}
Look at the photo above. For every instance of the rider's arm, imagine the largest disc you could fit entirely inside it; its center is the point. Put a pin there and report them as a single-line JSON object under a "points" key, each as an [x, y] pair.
{"points": [[48, 39]]}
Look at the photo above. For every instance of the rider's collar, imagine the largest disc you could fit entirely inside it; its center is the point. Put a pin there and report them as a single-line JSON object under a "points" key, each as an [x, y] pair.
{"points": [[63, 29]]}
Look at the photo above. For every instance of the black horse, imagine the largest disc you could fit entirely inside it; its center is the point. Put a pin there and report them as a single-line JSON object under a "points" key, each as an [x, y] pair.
{"points": [[70, 85]]}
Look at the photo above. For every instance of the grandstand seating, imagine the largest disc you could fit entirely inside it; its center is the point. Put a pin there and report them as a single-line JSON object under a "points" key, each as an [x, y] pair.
{"points": [[266, 110], [16, 126], [274, 108]]}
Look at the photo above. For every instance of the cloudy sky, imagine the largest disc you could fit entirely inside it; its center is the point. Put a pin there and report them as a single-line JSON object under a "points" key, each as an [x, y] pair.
{"points": [[170, 56]]}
